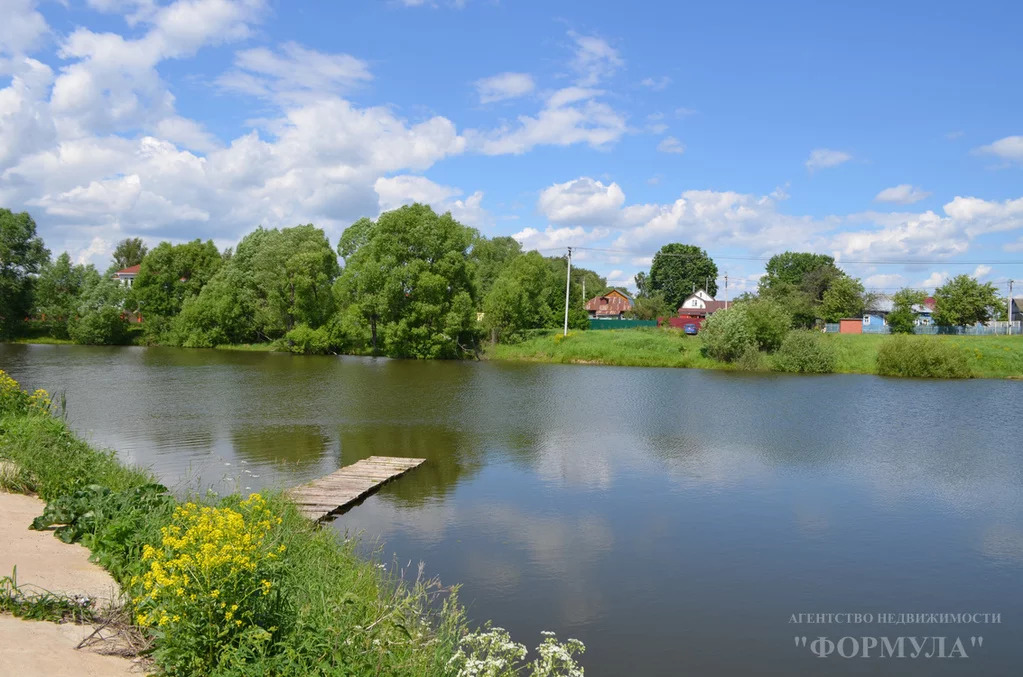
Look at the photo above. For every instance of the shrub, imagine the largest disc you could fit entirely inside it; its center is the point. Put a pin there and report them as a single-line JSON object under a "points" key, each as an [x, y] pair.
{"points": [[921, 357], [769, 321], [306, 340], [805, 352], [727, 334], [211, 584]]}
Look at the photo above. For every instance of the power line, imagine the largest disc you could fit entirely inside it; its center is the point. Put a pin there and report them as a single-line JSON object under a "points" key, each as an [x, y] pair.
{"points": [[890, 262]]}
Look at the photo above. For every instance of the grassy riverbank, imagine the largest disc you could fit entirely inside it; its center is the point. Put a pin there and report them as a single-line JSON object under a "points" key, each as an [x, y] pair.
{"points": [[225, 586], [987, 356]]}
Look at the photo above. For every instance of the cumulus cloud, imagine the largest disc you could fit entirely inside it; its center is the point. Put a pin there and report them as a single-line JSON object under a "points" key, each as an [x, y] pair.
{"points": [[903, 194], [22, 29], [583, 201], [1010, 148], [823, 158], [670, 144], [504, 86], [405, 189], [552, 238]]}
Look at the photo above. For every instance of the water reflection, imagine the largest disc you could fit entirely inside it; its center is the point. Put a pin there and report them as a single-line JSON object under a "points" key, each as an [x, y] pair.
{"points": [[671, 519]]}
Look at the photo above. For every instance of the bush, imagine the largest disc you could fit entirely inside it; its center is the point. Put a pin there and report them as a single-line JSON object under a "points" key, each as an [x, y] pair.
{"points": [[308, 341], [921, 357], [901, 321], [727, 334], [769, 321], [805, 352]]}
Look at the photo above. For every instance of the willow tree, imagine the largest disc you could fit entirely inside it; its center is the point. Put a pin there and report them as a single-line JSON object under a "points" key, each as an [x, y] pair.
{"points": [[410, 277]]}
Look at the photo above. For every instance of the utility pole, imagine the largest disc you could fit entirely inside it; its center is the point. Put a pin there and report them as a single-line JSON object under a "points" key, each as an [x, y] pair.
{"points": [[584, 290], [726, 291], [568, 286], [1010, 309]]}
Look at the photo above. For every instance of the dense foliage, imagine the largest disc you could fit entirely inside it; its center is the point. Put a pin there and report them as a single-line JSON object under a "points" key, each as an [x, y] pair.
{"points": [[745, 329], [963, 301], [129, 252], [805, 352], [58, 291], [922, 357], [800, 280], [678, 270], [22, 254], [902, 319]]}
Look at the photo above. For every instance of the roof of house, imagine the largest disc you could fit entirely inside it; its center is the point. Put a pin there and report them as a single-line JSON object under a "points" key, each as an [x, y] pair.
{"points": [[613, 302], [881, 303], [711, 307], [130, 270]]}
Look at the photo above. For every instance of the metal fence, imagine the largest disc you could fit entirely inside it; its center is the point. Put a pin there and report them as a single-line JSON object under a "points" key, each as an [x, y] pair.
{"points": [[621, 324], [990, 329]]}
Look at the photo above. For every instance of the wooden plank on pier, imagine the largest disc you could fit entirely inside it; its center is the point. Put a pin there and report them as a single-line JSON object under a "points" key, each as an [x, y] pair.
{"points": [[333, 493]]}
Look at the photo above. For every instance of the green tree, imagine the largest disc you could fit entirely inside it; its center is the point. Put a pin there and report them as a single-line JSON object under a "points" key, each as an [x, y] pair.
{"points": [[59, 290], [799, 280], [651, 307], [843, 298], [802, 269], [21, 255], [902, 319], [678, 269], [963, 301], [746, 327], [102, 316], [171, 273], [524, 296], [410, 276], [769, 322], [492, 256], [275, 280], [129, 252]]}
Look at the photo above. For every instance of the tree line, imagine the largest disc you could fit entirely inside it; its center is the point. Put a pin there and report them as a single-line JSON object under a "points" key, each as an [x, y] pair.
{"points": [[411, 283]]}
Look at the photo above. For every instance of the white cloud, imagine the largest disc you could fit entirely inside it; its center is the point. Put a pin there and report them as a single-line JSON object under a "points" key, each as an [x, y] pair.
{"points": [[504, 86], [981, 271], [884, 281], [1010, 148], [670, 144], [405, 189], [22, 28], [551, 238], [396, 191], [935, 279], [822, 158], [293, 73], [903, 194], [594, 59], [657, 84], [558, 124], [583, 201]]}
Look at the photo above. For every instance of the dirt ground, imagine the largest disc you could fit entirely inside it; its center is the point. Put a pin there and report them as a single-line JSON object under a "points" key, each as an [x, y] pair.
{"points": [[39, 649]]}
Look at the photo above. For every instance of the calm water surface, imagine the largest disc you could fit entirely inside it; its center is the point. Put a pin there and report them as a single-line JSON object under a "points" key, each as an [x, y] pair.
{"points": [[674, 520]]}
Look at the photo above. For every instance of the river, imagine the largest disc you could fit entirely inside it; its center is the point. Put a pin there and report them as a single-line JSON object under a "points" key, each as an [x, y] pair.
{"points": [[676, 521]]}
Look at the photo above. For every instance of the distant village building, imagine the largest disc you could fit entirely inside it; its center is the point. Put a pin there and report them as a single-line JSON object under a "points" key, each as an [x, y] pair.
{"points": [[875, 316], [697, 308], [1017, 309], [610, 306], [126, 276]]}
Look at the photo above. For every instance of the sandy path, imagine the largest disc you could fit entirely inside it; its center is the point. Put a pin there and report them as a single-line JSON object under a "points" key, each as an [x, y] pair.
{"points": [[38, 649]]}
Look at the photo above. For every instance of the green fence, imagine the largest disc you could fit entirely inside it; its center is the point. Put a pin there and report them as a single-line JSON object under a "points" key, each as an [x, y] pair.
{"points": [[621, 324]]}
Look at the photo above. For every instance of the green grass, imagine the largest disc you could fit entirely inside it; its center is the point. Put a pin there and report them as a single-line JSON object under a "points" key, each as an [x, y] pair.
{"points": [[43, 340], [988, 356], [640, 347]]}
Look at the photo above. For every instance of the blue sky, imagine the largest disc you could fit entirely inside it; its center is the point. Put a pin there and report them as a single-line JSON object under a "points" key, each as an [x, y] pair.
{"points": [[876, 132]]}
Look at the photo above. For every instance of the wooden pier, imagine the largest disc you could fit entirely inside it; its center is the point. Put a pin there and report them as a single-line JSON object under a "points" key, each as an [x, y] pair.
{"points": [[340, 489]]}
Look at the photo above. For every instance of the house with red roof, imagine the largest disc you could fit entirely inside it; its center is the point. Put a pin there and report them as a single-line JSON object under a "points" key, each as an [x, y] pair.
{"points": [[126, 276]]}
